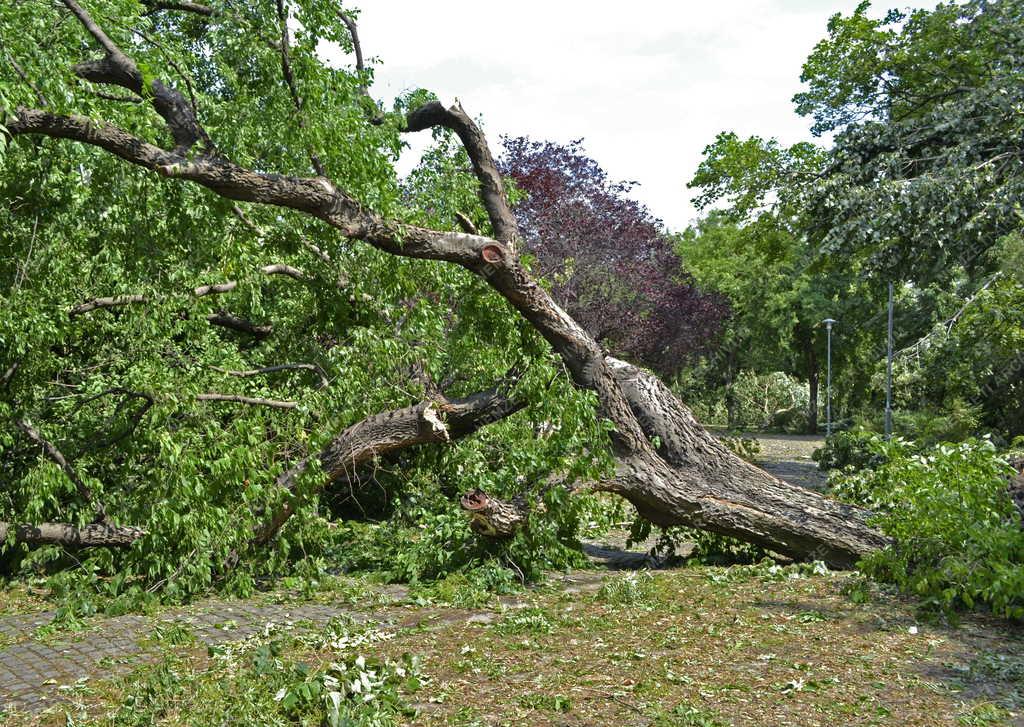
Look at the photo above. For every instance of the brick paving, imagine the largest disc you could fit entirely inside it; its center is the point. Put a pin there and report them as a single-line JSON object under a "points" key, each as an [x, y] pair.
{"points": [[32, 669]]}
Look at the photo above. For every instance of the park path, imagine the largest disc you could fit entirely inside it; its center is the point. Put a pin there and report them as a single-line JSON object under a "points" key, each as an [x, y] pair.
{"points": [[37, 670], [788, 457]]}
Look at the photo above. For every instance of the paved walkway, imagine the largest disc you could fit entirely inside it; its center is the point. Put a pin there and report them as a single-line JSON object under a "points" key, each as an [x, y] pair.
{"points": [[32, 669], [788, 457]]}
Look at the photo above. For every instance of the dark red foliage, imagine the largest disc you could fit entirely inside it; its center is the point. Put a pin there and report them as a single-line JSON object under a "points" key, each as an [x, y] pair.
{"points": [[613, 268]]}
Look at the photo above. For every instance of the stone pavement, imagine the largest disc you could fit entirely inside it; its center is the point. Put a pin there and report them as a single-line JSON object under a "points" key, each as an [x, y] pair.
{"points": [[37, 673], [33, 668]]}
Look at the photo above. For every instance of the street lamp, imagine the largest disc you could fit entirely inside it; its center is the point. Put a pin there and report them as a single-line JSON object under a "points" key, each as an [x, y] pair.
{"points": [[828, 385], [888, 374]]}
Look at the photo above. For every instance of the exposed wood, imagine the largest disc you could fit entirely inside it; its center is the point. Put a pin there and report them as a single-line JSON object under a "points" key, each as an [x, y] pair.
{"points": [[492, 517], [431, 421], [71, 536]]}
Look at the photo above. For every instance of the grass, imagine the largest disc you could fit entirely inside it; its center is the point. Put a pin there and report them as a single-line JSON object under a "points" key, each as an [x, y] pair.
{"points": [[697, 646]]}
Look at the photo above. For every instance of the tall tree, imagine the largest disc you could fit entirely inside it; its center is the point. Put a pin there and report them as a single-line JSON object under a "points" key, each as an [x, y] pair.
{"points": [[925, 173], [611, 264]]}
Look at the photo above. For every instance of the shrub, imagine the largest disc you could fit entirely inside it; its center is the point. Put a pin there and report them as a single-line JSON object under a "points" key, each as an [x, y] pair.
{"points": [[957, 536], [855, 449]]}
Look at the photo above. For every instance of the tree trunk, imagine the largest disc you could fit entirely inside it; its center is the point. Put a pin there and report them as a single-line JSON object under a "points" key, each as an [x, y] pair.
{"points": [[694, 480], [71, 536]]}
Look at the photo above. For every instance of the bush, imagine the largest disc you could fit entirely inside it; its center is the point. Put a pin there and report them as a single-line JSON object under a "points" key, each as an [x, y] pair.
{"points": [[958, 537], [856, 450]]}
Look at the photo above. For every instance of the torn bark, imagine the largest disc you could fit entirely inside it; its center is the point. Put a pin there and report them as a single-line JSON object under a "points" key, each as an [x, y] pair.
{"points": [[71, 536], [492, 517], [429, 422]]}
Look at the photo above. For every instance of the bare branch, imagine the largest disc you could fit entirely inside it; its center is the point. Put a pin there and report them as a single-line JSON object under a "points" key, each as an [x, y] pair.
{"points": [[71, 536], [293, 89], [282, 269], [215, 288], [5, 379], [375, 118], [112, 302], [429, 422], [492, 187], [273, 403], [353, 32], [227, 320], [466, 224], [24, 76], [133, 420], [316, 369], [188, 7], [54, 454], [118, 69]]}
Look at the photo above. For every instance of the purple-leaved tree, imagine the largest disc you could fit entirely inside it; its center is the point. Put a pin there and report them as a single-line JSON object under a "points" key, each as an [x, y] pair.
{"points": [[611, 265]]}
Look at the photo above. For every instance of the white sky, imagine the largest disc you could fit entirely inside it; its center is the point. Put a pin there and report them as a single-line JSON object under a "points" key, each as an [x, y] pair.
{"points": [[647, 84]]}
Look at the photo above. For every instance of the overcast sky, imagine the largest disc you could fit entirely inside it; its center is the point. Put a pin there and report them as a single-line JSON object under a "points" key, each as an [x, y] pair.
{"points": [[647, 84]]}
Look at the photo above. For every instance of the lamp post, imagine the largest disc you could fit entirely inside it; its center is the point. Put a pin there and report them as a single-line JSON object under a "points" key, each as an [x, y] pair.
{"points": [[828, 380], [888, 374]]}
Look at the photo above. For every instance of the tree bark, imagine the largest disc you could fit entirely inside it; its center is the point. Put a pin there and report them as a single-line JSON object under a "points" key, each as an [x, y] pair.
{"points": [[72, 536], [693, 480]]}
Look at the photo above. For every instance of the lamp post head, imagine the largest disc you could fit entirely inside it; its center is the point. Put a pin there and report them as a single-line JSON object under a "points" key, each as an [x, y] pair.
{"points": [[828, 322]]}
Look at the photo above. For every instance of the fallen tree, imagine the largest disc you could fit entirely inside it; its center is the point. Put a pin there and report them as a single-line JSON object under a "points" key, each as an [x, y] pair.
{"points": [[667, 465]]}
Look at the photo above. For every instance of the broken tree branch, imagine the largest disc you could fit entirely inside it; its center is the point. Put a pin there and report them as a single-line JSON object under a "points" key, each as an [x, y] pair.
{"points": [[215, 288], [234, 323], [188, 7], [237, 399], [316, 369], [72, 536], [428, 422], [111, 302], [55, 455], [492, 187], [282, 269]]}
